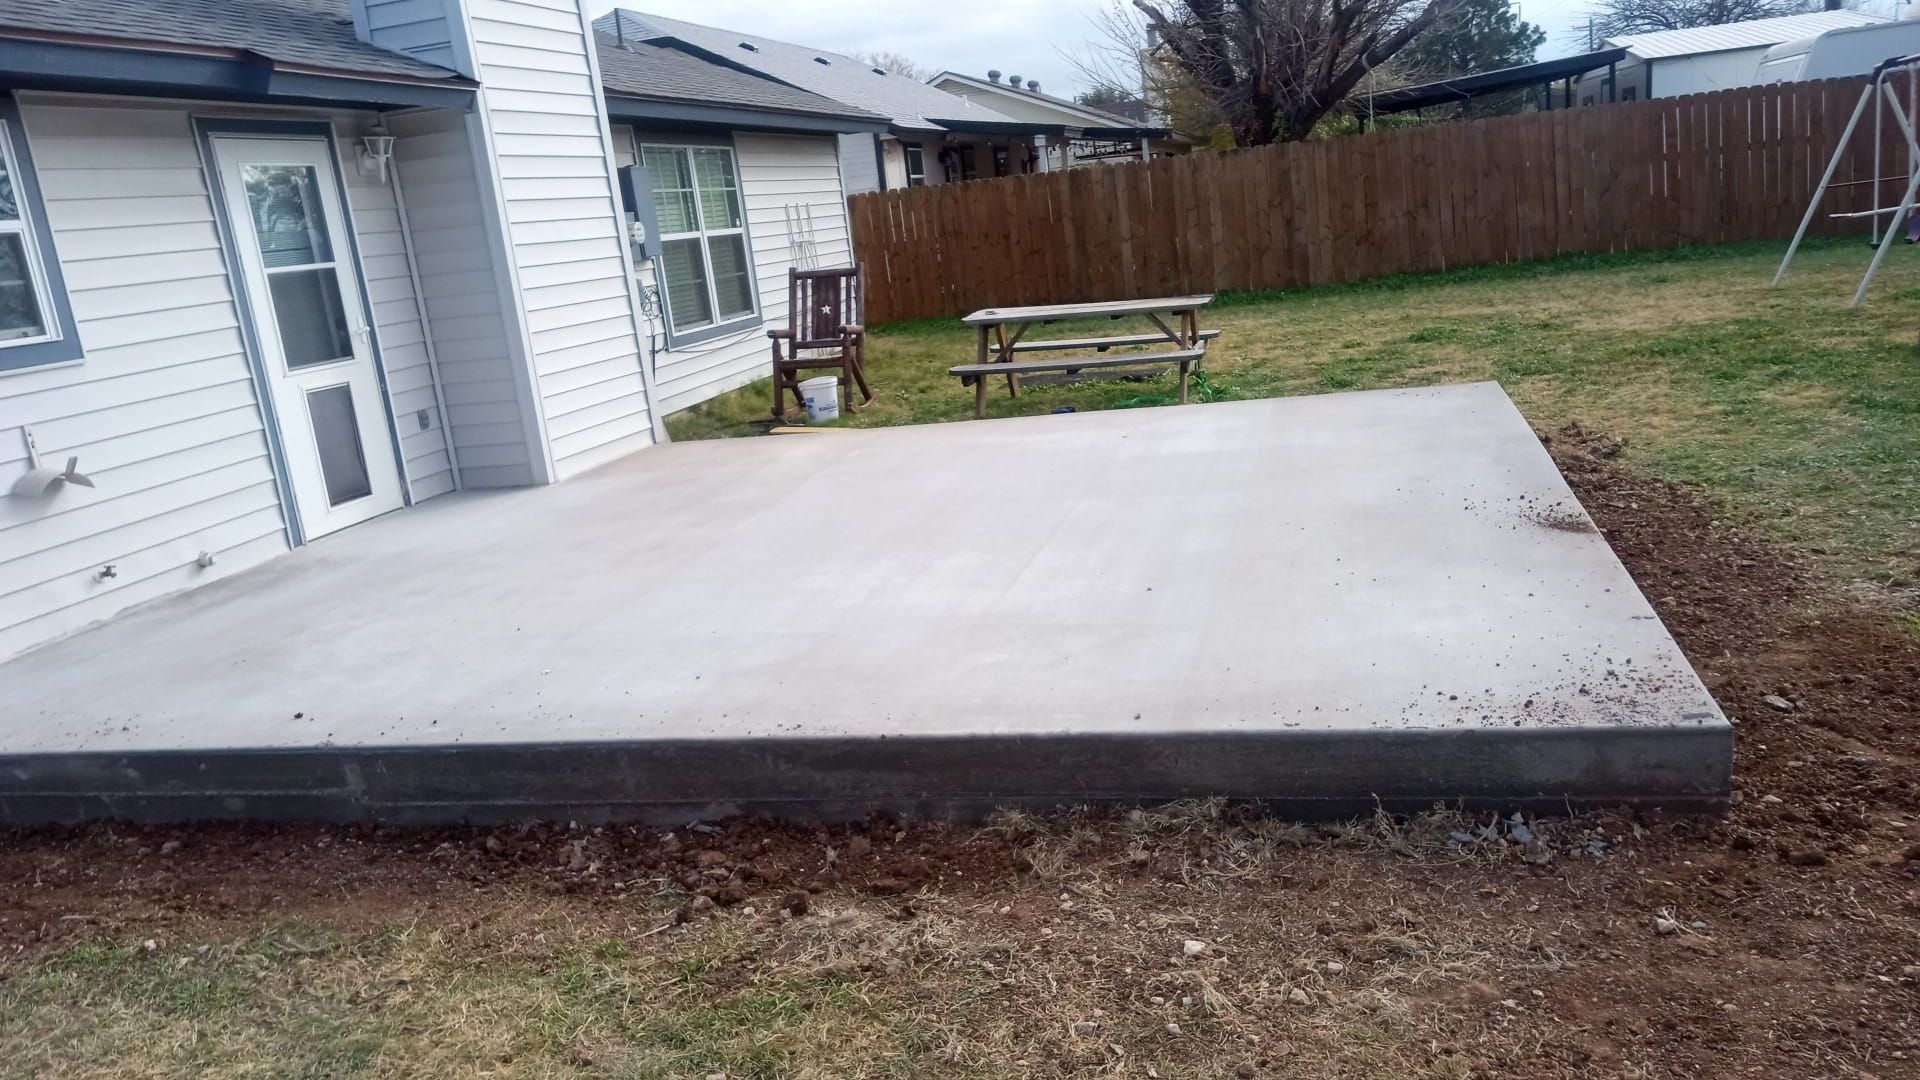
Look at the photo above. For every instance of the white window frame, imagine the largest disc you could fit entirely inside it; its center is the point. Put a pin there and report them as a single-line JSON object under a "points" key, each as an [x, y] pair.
{"points": [[910, 151], [24, 226], [716, 326]]}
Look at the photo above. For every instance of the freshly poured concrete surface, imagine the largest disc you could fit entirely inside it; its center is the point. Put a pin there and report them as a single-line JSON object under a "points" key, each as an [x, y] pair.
{"points": [[1317, 600]]}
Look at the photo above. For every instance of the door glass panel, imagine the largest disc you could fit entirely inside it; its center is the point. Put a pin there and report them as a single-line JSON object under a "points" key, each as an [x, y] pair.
{"points": [[687, 302], [732, 281], [19, 302], [311, 316], [288, 221], [336, 433]]}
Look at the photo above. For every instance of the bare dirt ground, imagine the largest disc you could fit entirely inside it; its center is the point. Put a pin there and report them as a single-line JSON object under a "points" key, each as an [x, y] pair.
{"points": [[1204, 940]]}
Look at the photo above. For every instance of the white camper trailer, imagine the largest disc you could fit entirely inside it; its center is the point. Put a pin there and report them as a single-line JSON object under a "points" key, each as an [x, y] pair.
{"points": [[1835, 54]]}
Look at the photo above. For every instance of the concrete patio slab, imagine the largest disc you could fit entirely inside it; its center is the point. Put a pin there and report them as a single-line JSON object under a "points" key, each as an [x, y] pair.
{"points": [[1317, 601]]}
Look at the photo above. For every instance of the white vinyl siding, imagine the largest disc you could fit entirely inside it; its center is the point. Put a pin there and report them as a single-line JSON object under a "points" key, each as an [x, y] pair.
{"points": [[162, 410], [777, 172], [425, 467], [434, 157], [563, 228]]}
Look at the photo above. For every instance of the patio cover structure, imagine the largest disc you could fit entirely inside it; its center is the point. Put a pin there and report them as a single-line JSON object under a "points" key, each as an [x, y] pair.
{"points": [[1542, 75]]}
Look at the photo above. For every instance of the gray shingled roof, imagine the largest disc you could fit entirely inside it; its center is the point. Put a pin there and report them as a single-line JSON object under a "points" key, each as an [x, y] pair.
{"points": [[908, 103], [309, 33], [657, 72]]}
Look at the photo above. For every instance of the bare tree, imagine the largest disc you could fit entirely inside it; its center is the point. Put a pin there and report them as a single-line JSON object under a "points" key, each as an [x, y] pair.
{"points": [[1272, 69], [1122, 61], [1615, 17], [894, 64]]}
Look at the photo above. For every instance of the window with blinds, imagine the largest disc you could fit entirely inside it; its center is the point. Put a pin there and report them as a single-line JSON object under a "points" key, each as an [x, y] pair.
{"points": [[704, 269]]}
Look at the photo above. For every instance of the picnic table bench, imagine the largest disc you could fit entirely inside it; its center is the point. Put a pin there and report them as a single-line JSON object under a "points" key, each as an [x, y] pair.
{"points": [[1003, 332]]}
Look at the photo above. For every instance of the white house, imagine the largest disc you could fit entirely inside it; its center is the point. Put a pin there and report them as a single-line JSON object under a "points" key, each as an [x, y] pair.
{"points": [[271, 268], [1670, 63], [932, 137], [1092, 135]]}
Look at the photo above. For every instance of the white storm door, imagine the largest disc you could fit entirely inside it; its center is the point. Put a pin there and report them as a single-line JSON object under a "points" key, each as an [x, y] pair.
{"points": [[283, 199]]}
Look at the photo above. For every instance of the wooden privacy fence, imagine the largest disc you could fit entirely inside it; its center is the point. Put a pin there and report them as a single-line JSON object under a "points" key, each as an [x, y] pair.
{"points": [[1707, 168]]}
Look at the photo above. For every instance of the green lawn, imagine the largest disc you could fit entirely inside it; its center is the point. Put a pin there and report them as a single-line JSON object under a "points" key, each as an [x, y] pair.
{"points": [[1798, 412]]}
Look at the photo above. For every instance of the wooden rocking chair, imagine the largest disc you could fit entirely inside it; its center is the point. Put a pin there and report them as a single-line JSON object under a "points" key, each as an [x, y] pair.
{"points": [[823, 316]]}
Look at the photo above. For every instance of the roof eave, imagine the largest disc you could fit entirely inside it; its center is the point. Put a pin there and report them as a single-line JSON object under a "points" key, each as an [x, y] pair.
{"points": [[139, 69], [1125, 132], [997, 127], [628, 108], [1107, 119]]}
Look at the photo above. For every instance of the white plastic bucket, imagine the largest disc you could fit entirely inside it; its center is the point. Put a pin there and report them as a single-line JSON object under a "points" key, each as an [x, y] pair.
{"points": [[822, 398]]}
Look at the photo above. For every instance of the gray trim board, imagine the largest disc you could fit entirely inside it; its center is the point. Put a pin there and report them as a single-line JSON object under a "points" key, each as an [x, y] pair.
{"points": [[49, 65], [66, 347], [693, 116], [1300, 774]]}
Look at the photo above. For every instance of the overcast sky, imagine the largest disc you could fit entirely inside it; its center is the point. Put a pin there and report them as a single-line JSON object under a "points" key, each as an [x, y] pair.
{"points": [[1020, 37]]}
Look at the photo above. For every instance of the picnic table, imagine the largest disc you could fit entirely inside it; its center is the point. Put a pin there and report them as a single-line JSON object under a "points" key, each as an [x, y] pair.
{"points": [[1003, 338]]}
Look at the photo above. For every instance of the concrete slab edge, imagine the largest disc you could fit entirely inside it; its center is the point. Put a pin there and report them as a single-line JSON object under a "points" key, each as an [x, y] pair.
{"points": [[1311, 775]]}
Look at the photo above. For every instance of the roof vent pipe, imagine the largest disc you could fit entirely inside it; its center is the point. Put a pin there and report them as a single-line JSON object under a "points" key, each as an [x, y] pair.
{"points": [[1013, 81], [1033, 86], [993, 75]]}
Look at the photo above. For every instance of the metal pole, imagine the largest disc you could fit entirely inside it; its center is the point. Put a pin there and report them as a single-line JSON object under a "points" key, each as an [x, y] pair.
{"points": [[1893, 229], [1613, 82], [1873, 237], [1825, 178]]}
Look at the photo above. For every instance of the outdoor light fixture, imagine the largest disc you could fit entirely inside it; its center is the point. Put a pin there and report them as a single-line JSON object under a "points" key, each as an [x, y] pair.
{"points": [[376, 149]]}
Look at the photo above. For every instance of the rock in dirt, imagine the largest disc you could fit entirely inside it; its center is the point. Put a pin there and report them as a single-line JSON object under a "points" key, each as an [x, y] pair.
{"points": [[1192, 947], [1778, 703], [1244, 1070], [886, 886], [1663, 925], [169, 847], [1299, 997], [1806, 857]]}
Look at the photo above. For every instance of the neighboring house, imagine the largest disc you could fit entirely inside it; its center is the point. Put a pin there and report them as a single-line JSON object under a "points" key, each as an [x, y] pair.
{"points": [[270, 268], [1092, 135], [1670, 63], [745, 182], [932, 137]]}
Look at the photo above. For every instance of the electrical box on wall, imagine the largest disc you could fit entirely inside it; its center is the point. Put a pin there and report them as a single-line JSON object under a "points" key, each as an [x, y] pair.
{"points": [[636, 200]]}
